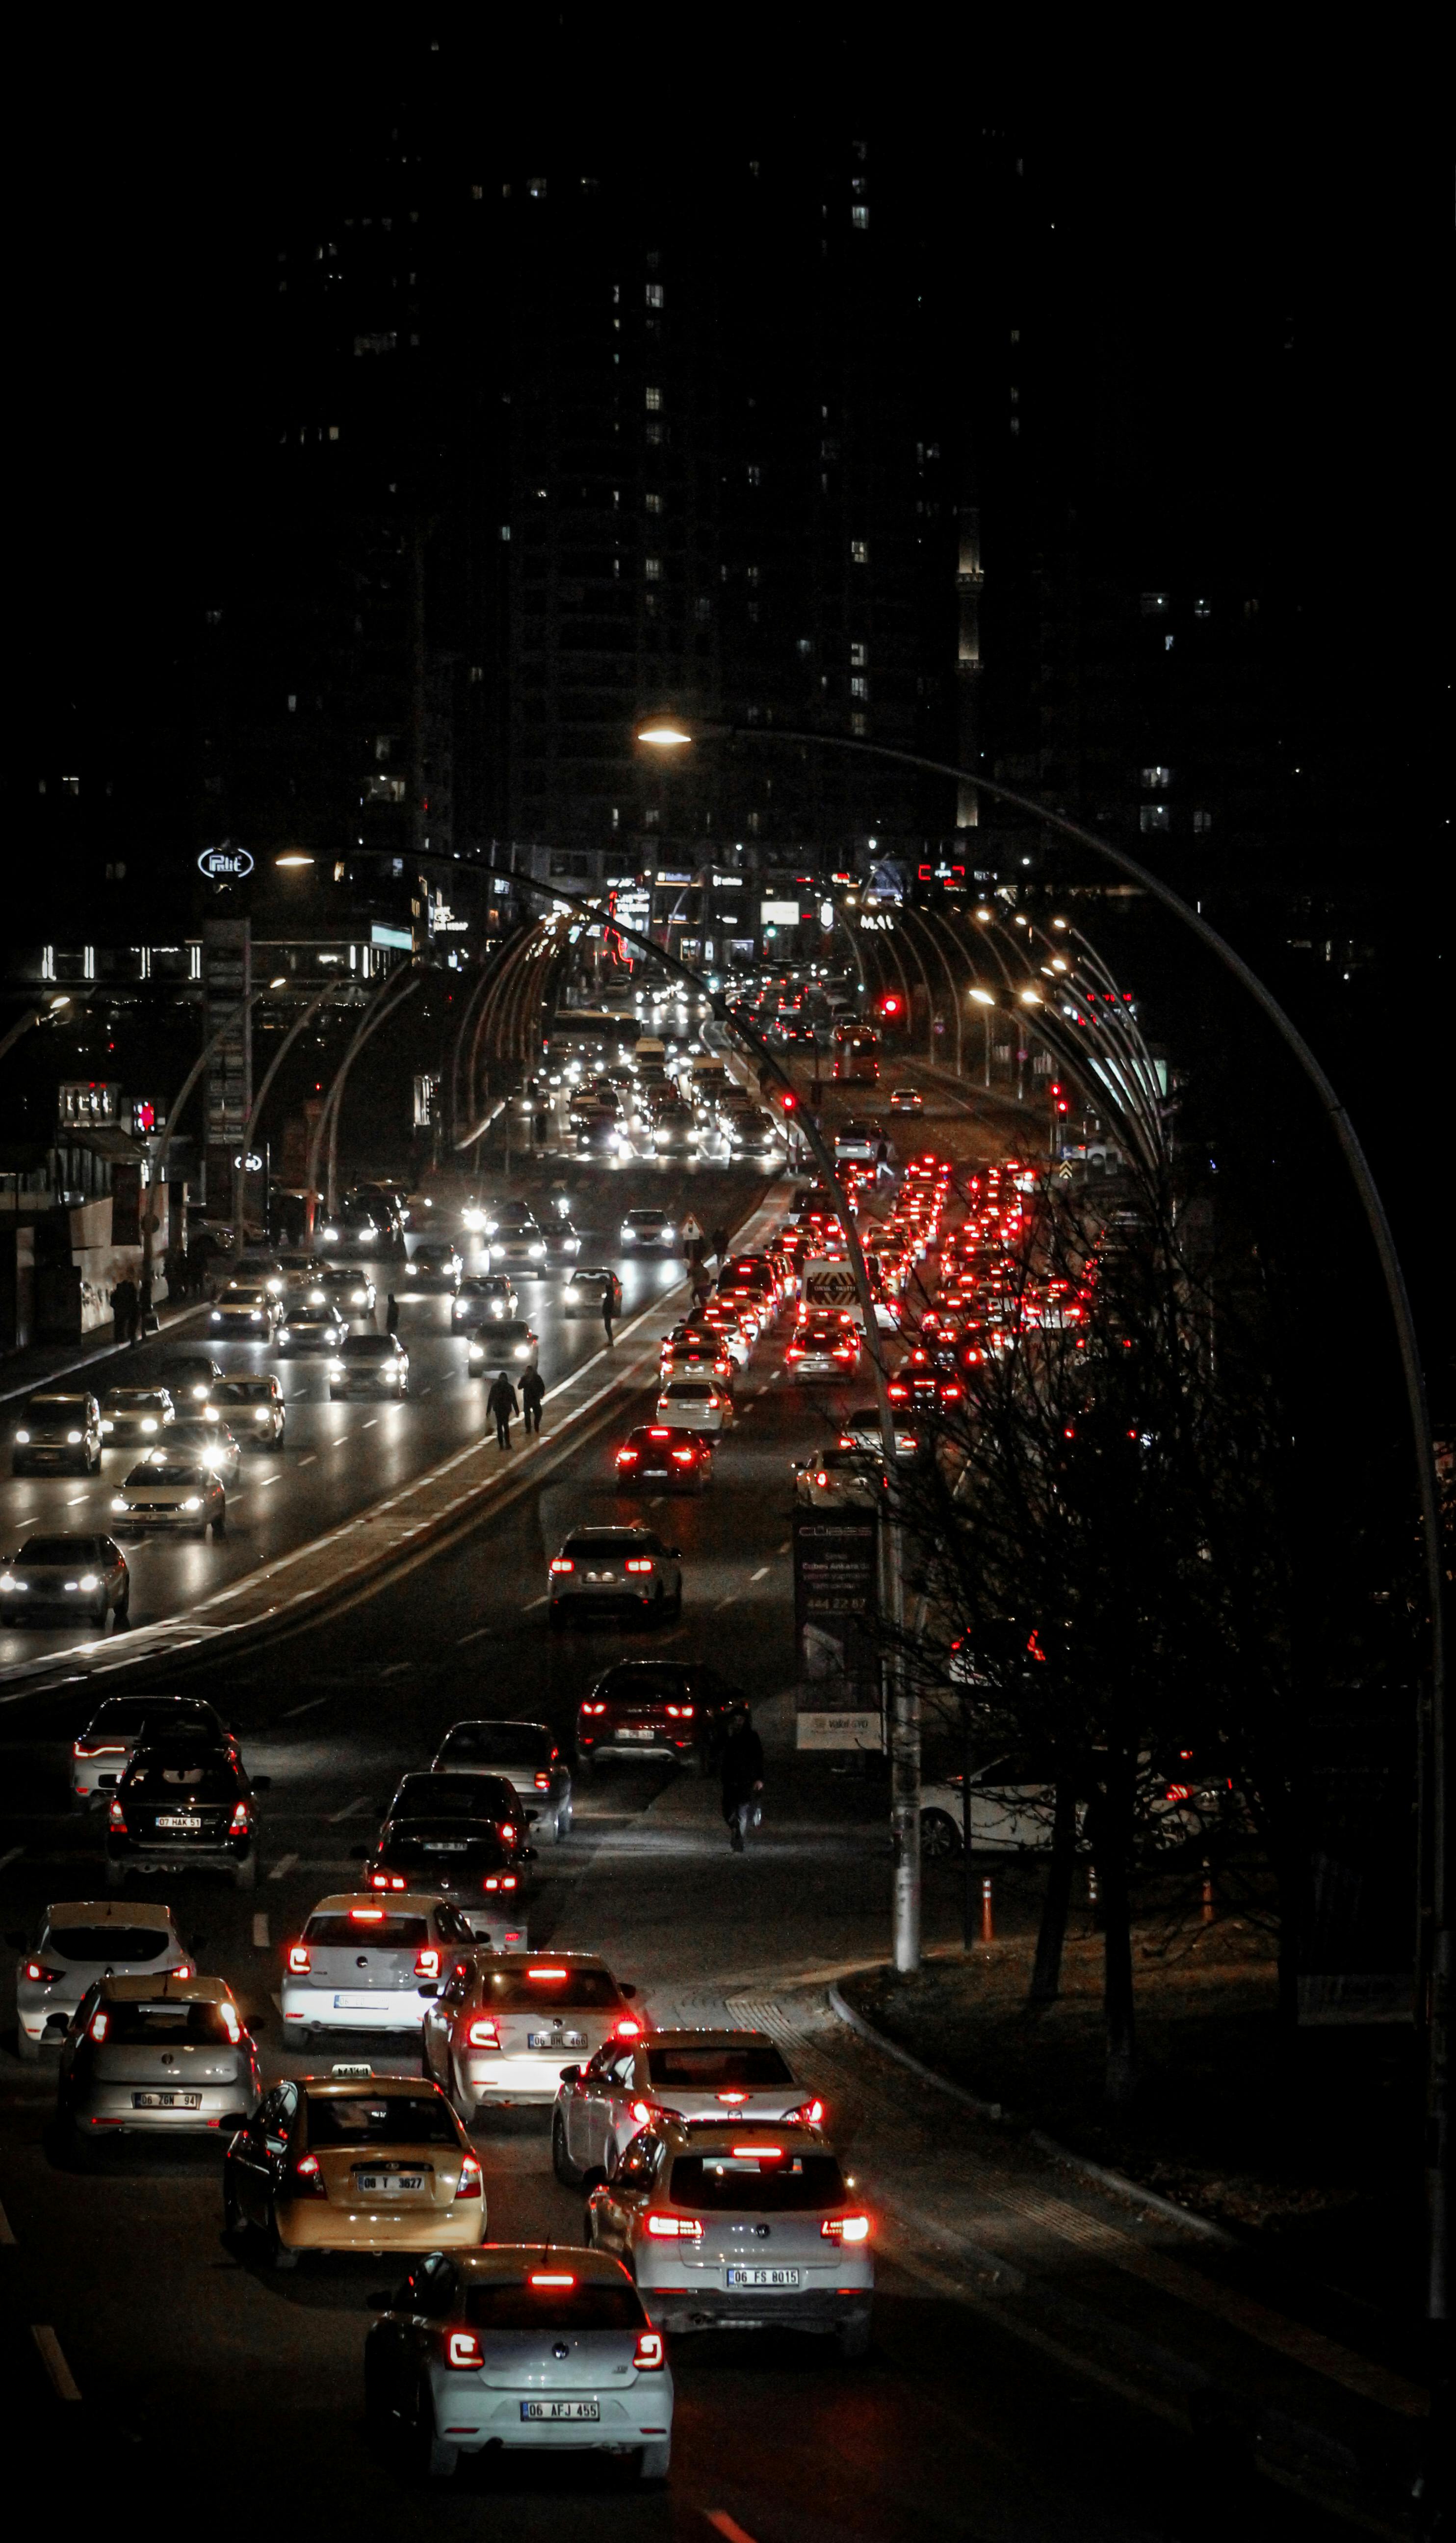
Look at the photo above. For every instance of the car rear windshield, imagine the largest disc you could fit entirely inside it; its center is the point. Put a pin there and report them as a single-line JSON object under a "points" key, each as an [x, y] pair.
{"points": [[443, 1797], [130, 2025], [709, 2070], [584, 2305], [584, 1991], [497, 1743], [59, 1550], [106, 1945], [370, 1347], [183, 1780], [685, 1394], [611, 1542], [769, 2186], [391, 2118], [128, 1713], [378, 1932]]}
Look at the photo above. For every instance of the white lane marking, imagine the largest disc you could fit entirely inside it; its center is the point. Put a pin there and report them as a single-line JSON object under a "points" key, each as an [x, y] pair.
{"points": [[260, 1934], [6, 2232], [312, 1706], [728, 1601], [760, 1574], [478, 1636], [371, 1424], [311, 1459], [76, 1499], [535, 1602], [787, 1545], [264, 1481], [285, 1863], [54, 2359], [350, 1810], [343, 1440], [12, 1856]]}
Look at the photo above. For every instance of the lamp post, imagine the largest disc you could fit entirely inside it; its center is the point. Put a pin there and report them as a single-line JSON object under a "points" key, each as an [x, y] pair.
{"points": [[35, 1016], [1434, 1945]]}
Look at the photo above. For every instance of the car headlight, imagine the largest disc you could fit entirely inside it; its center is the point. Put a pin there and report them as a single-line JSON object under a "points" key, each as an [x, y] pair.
{"points": [[316, 1297], [73, 1438], [330, 1236], [23, 1438], [89, 1580], [119, 1503], [261, 1414], [535, 1252], [498, 1306], [570, 1296], [193, 1501], [357, 1297], [149, 1422], [8, 1581], [336, 1368], [255, 1316], [216, 1316], [106, 1425]]}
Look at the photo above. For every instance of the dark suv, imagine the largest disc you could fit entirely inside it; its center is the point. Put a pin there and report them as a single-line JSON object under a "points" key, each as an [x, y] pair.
{"points": [[58, 1432], [183, 1804], [655, 1709]]}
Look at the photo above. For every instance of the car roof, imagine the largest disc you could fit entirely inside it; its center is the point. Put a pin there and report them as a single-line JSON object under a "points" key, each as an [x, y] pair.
{"points": [[57, 1536], [545, 1957], [110, 1912], [342, 1903], [719, 2136], [507, 2261], [492, 1721], [612, 1535], [164, 1989]]}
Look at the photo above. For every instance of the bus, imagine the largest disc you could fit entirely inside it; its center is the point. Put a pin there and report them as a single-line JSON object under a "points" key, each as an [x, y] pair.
{"points": [[857, 1054]]}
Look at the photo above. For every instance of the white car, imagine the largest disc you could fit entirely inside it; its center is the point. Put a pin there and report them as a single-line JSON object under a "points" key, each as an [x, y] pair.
{"points": [[68, 1580], [615, 1567], [166, 1493], [1011, 1812], [533, 2347], [647, 1231], [348, 1291], [695, 1404], [131, 1413], [703, 2075], [207, 1438], [100, 1753], [78, 1942], [250, 1314], [370, 1364], [739, 2227], [503, 2026], [156, 2055], [527, 1755], [253, 1406], [521, 1248], [363, 1962]]}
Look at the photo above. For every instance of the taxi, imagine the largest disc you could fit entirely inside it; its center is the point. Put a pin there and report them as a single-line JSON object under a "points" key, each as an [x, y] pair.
{"points": [[353, 2162]]}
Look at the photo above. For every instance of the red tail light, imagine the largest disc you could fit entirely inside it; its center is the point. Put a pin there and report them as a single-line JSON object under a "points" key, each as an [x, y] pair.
{"points": [[117, 1817], [470, 2178], [648, 2352], [663, 1434], [561, 1563], [639, 1562], [507, 1831], [483, 2035], [386, 1880], [810, 2115], [592, 1708], [228, 2015], [683, 1456], [680, 1712], [675, 2229], [427, 1961], [299, 1963], [625, 1457], [39, 1975], [499, 1880], [542, 1783], [97, 2026], [238, 1824], [307, 2178], [629, 2028], [463, 2350], [845, 2229]]}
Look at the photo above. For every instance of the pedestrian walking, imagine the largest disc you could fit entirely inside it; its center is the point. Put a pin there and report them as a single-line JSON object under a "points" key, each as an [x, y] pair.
{"points": [[533, 1396], [608, 1310], [501, 1403], [720, 1244], [123, 1309], [740, 1769], [391, 1315], [141, 1314]]}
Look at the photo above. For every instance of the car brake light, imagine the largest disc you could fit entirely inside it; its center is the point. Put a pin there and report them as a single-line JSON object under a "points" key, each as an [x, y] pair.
{"points": [[386, 1880], [675, 2229], [39, 1975], [117, 1817], [427, 1961], [1180, 1791], [542, 1783], [680, 1712], [648, 2352], [625, 1457], [629, 2028], [97, 2026], [660, 1434], [463, 2350], [470, 2177], [308, 2178], [298, 1961], [683, 1456], [238, 1824], [639, 1562], [546, 1974], [366, 1916], [561, 1563], [845, 2229], [507, 1831], [593, 1708], [551, 2279], [228, 2015], [483, 2035], [810, 2115]]}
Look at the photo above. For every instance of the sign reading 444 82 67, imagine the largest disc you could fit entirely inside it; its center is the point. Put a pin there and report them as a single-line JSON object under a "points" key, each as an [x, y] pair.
{"points": [[226, 864]]}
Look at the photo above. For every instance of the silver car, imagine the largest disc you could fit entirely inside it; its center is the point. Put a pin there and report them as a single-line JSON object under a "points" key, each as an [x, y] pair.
{"points": [[79, 1942], [248, 1314], [370, 1364], [363, 1962], [503, 2027], [156, 2054], [132, 1414], [510, 1346], [65, 1580], [617, 1568], [210, 1441], [59, 1431], [170, 1493], [253, 1407], [712, 2075], [527, 1755]]}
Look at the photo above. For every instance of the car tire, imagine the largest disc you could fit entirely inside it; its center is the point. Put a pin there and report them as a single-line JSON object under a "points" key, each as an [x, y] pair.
{"points": [[115, 1875], [122, 1614], [652, 2462], [940, 1837], [219, 1528], [245, 1874], [277, 2250], [566, 2172], [851, 2340]]}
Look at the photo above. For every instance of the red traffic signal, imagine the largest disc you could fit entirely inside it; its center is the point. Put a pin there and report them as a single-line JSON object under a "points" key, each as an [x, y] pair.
{"points": [[788, 1101]]}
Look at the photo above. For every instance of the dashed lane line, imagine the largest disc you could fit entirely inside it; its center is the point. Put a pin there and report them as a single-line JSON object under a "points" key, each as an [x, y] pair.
{"points": [[760, 1574], [312, 1706], [350, 1810], [311, 1459], [12, 1856], [260, 1934], [285, 1863]]}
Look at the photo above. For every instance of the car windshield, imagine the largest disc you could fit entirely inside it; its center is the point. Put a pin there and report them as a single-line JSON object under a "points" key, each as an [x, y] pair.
{"points": [[768, 2185], [582, 2305], [57, 1550], [184, 1779], [373, 1927], [132, 2025], [240, 1298], [238, 1390], [167, 1471], [370, 1347], [56, 1407], [552, 1984], [497, 1743], [710, 2071], [106, 1945], [394, 2119], [646, 1219]]}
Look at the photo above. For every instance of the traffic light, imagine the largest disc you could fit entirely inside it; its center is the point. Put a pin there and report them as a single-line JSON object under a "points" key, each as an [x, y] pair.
{"points": [[1058, 1099], [789, 1100]]}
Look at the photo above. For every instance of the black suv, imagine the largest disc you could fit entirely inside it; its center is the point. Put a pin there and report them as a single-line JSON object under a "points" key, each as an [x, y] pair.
{"points": [[657, 1709], [183, 1805]]}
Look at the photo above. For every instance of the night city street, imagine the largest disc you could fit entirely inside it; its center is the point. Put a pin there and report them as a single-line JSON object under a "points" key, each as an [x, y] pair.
{"points": [[725, 1408]]}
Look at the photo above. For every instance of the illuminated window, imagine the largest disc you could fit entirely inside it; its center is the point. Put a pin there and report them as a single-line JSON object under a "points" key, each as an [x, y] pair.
{"points": [[860, 215], [1154, 817], [859, 551], [654, 502], [651, 568], [1202, 820], [755, 474], [859, 687], [859, 723], [653, 400], [859, 654], [1156, 604], [1158, 779], [655, 296]]}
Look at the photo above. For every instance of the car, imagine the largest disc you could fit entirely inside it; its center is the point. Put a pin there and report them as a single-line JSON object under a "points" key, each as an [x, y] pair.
{"points": [[469, 1864], [837, 1477], [189, 1374], [527, 1755], [124, 1723], [663, 1457], [861, 1429], [261, 1272], [366, 1224], [161, 2053], [60, 1579], [601, 1134], [348, 1289], [822, 1347], [369, 1364], [434, 1797], [1010, 1809], [674, 1130], [859, 1143], [707, 2075], [906, 1098], [170, 1492], [435, 1266], [647, 1231], [588, 1284], [59, 1429], [483, 1297], [695, 1404], [735, 1328], [353, 2161], [510, 1346], [503, 2027], [301, 1272], [615, 1567], [182, 1804], [562, 1242], [520, 1247], [739, 2227], [751, 1280], [131, 1413], [253, 1407], [77, 1942], [245, 1313], [676, 1709], [695, 1351], [307, 1327], [212, 1444], [363, 1963], [532, 2348]]}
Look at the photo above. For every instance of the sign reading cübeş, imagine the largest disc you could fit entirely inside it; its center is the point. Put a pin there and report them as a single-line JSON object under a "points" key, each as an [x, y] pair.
{"points": [[225, 864]]}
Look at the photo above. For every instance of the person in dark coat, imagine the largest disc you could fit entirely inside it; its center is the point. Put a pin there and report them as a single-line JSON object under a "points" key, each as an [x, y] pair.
{"points": [[501, 1403], [740, 1768], [533, 1396], [391, 1315], [720, 1244], [123, 1309], [608, 1310], [141, 1315]]}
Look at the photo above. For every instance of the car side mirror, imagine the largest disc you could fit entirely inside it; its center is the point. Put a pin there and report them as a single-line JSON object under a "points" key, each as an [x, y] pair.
{"points": [[528, 1854], [429, 1988], [624, 1989], [571, 2075], [262, 1783], [674, 1554]]}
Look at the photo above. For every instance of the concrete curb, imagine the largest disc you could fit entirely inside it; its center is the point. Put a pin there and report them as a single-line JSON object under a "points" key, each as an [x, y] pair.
{"points": [[902, 2057], [1168, 2209]]}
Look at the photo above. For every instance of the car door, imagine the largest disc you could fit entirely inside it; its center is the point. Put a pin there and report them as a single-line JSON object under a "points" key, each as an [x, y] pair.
{"points": [[622, 2091], [252, 2178], [589, 2113], [441, 2016], [617, 2206]]}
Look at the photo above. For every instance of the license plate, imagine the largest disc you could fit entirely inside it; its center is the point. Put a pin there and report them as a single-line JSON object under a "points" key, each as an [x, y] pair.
{"points": [[561, 2410], [355, 2003], [637, 1734], [762, 2278], [166, 2100], [447, 1845], [190, 1826], [555, 2039], [389, 2185]]}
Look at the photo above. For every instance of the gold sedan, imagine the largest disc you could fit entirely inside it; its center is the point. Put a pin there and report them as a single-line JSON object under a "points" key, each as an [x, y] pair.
{"points": [[353, 2162]]}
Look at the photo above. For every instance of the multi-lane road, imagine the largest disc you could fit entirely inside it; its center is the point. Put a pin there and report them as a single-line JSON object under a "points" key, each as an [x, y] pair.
{"points": [[218, 2395]]}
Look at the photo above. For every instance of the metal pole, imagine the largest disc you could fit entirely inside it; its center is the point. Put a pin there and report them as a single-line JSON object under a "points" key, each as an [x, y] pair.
{"points": [[240, 1178], [378, 999], [234, 1016]]}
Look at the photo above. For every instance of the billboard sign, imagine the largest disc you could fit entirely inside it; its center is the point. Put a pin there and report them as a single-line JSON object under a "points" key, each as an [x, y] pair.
{"points": [[778, 913], [837, 1570]]}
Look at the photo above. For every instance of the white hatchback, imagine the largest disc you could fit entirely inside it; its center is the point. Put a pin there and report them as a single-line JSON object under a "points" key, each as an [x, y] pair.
{"points": [[369, 1963], [82, 1940], [712, 2075], [695, 1404]]}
